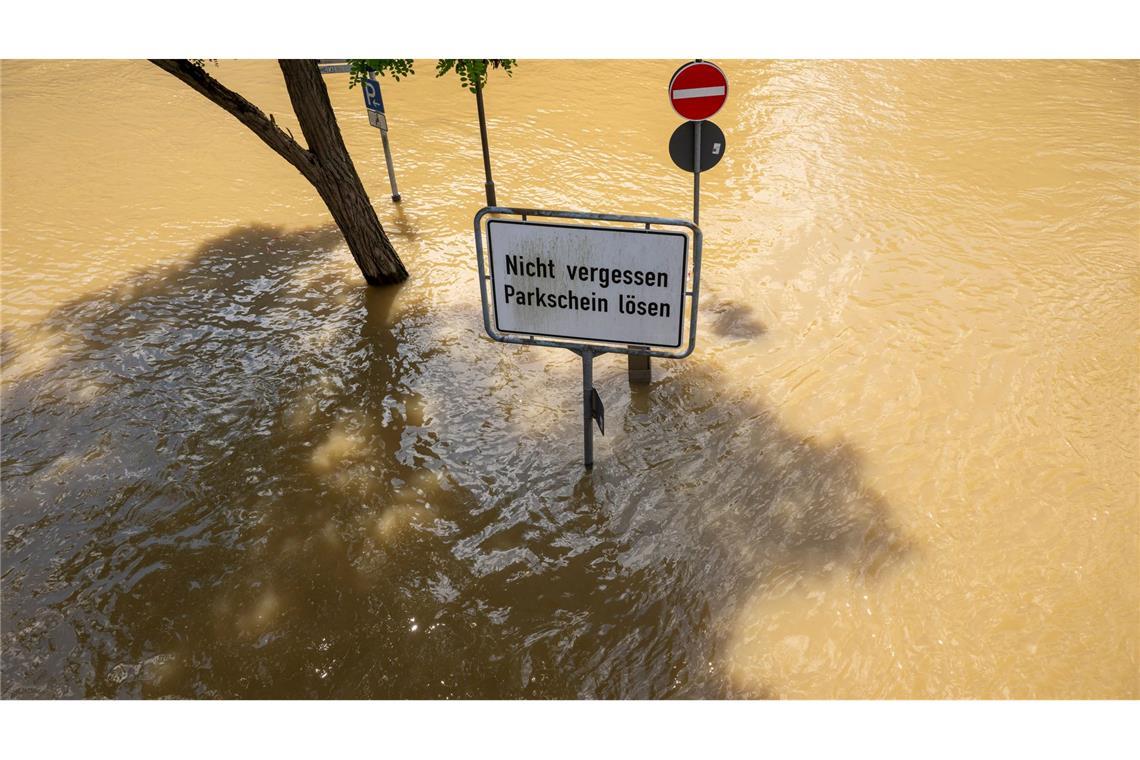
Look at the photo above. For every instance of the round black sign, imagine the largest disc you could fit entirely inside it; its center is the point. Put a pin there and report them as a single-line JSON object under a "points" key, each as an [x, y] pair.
{"points": [[681, 145]]}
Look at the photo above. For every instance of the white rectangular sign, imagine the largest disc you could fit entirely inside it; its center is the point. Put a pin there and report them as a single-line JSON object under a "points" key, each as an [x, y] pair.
{"points": [[378, 120], [604, 284]]}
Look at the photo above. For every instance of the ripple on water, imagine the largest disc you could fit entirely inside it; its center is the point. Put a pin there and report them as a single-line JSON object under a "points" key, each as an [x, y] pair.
{"points": [[895, 466]]}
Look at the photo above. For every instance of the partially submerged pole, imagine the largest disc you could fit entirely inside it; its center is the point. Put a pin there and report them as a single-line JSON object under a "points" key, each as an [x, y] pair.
{"points": [[587, 406], [638, 368], [391, 169]]}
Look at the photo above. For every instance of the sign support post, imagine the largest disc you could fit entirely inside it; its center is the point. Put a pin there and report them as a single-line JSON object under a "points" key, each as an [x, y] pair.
{"points": [[638, 369], [391, 170], [587, 406], [697, 91], [697, 173], [490, 183], [377, 118]]}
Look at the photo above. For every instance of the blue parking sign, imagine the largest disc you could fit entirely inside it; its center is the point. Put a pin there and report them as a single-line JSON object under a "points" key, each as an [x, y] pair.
{"points": [[372, 99]]}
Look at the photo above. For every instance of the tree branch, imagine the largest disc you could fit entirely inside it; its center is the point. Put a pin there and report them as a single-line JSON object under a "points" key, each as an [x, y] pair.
{"points": [[242, 110]]}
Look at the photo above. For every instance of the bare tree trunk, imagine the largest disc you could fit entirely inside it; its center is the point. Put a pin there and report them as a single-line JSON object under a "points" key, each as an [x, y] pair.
{"points": [[326, 163]]}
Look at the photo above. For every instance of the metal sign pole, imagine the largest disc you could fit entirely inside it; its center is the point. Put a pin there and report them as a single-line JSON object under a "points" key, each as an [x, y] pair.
{"points": [[383, 124], [490, 184], [696, 172], [587, 404], [391, 170]]}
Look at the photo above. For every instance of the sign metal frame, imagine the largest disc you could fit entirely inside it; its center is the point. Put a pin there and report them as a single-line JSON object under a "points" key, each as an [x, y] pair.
{"points": [[581, 346]]}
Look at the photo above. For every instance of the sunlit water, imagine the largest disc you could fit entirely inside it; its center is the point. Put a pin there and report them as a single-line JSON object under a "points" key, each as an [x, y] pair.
{"points": [[902, 462]]}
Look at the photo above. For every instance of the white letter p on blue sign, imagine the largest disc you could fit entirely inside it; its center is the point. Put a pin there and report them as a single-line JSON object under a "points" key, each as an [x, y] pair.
{"points": [[372, 99]]}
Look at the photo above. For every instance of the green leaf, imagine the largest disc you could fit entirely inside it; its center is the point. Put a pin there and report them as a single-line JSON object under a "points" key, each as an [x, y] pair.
{"points": [[362, 67], [472, 72]]}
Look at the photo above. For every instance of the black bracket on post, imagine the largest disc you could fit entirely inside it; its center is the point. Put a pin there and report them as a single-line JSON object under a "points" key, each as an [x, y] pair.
{"points": [[592, 407], [598, 410]]}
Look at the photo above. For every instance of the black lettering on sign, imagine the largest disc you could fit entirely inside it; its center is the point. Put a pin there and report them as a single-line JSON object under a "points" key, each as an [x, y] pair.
{"points": [[568, 300], [628, 304], [605, 276], [516, 265]]}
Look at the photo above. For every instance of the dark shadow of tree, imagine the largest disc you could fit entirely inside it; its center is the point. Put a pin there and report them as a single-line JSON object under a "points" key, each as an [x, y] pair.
{"points": [[248, 476]]}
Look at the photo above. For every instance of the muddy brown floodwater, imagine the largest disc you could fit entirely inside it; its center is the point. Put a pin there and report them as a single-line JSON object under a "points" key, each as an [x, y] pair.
{"points": [[902, 462]]}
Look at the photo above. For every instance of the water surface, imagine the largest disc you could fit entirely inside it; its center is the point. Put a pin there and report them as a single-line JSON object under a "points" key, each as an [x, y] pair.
{"points": [[902, 462]]}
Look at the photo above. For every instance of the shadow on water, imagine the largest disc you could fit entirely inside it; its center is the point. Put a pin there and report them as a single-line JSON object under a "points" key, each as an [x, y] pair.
{"points": [[250, 476], [733, 320]]}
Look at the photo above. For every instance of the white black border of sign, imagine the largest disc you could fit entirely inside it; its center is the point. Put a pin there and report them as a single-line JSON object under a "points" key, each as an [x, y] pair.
{"points": [[596, 347]]}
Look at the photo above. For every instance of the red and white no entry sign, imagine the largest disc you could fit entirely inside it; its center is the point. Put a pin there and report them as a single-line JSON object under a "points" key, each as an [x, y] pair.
{"points": [[698, 90]]}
